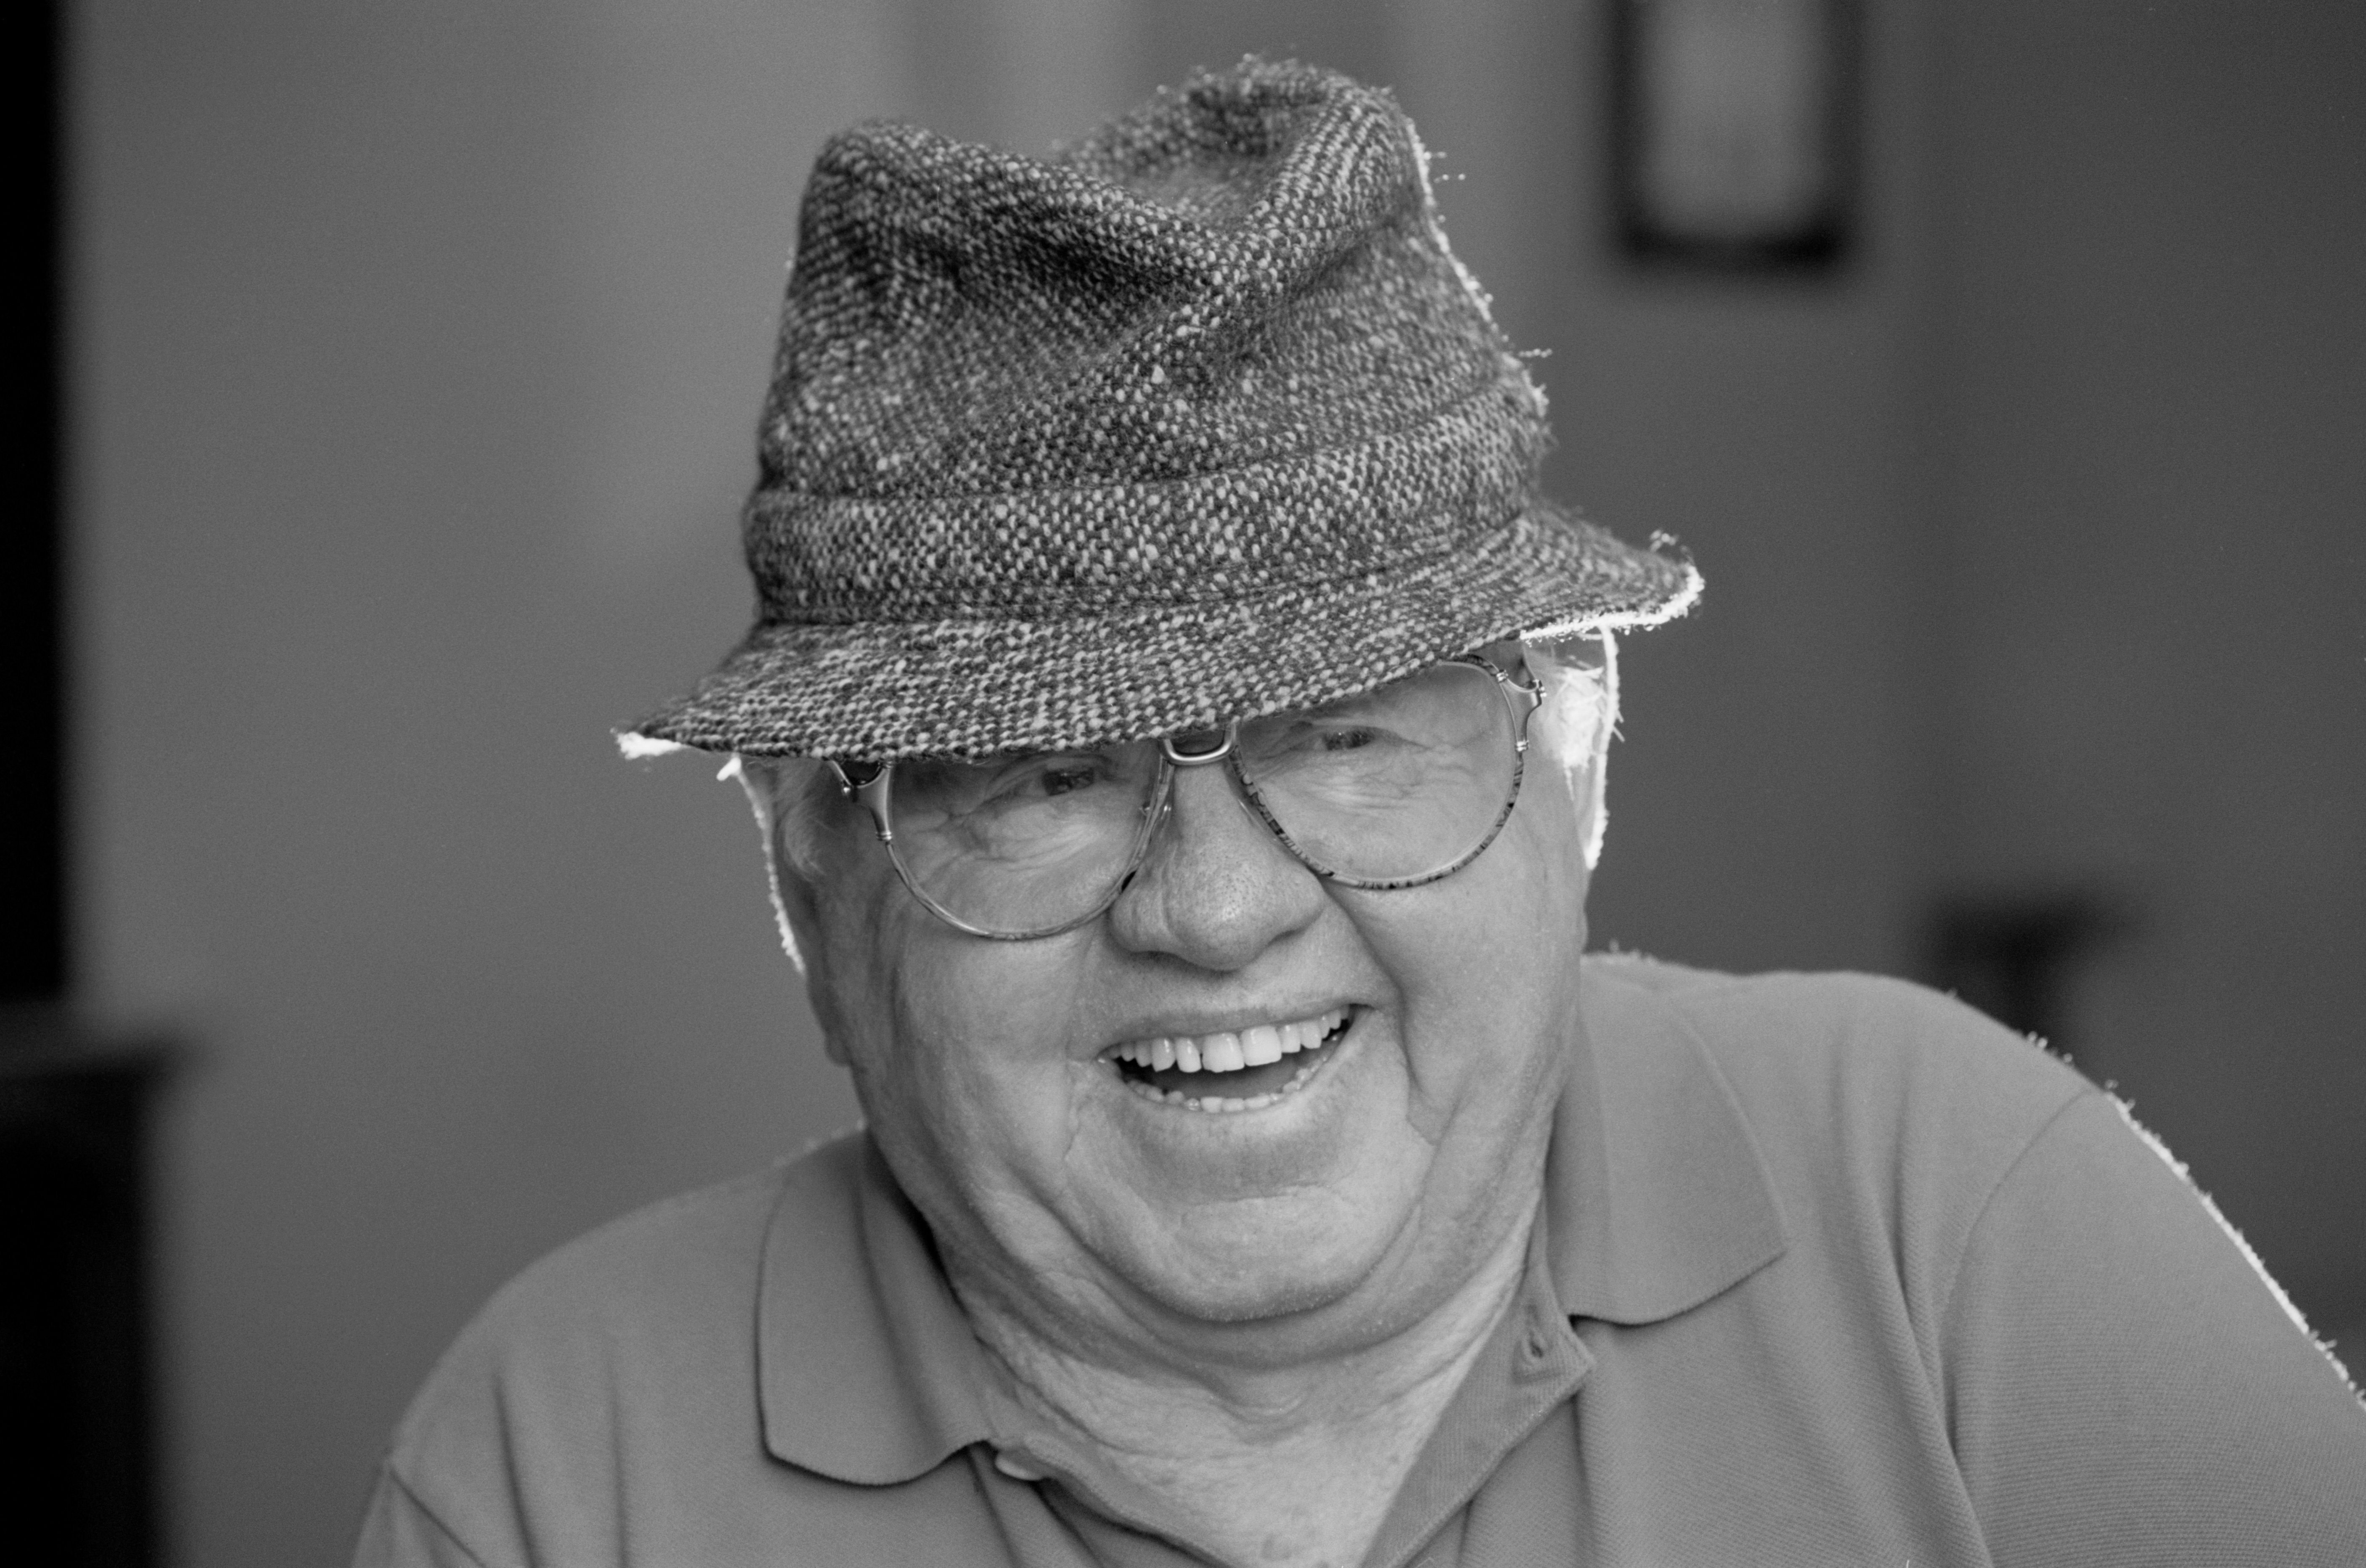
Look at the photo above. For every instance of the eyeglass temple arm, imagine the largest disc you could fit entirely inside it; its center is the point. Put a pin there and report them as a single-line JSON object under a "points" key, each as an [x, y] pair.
{"points": [[1528, 684], [865, 784]]}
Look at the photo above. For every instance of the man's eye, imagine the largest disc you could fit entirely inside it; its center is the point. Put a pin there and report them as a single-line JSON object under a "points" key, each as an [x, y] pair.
{"points": [[1348, 740], [1063, 780]]}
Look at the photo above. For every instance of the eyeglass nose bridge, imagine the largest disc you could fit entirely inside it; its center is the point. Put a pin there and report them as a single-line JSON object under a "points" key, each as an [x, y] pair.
{"points": [[1177, 756]]}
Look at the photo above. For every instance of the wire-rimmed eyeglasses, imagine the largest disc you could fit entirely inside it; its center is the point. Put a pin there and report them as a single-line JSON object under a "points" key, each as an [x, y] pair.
{"points": [[1393, 788]]}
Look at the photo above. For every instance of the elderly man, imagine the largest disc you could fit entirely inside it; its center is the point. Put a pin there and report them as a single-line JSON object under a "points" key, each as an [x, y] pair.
{"points": [[1178, 725]]}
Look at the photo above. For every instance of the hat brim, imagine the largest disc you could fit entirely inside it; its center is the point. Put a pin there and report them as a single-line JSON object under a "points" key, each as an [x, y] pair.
{"points": [[978, 687]]}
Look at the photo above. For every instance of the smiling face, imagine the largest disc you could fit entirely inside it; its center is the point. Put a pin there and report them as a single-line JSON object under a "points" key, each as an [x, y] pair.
{"points": [[1037, 1102]]}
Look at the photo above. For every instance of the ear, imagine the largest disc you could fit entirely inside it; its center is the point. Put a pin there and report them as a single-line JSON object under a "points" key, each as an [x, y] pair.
{"points": [[795, 906], [1579, 676], [1597, 770]]}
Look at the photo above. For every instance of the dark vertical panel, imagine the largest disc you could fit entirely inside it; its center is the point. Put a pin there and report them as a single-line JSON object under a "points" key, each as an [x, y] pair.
{"points": [[75, 1459], [1733, 131], [32, 902]]}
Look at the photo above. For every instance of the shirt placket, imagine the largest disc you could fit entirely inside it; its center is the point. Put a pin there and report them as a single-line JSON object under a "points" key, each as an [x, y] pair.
{"points": [[1533, 1364]]}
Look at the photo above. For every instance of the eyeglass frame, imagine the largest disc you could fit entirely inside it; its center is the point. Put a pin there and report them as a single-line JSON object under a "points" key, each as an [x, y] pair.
{"points": [[871, 792]]}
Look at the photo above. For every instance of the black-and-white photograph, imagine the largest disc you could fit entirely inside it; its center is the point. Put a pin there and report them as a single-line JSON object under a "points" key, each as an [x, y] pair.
{"points": [[1186, 784]]}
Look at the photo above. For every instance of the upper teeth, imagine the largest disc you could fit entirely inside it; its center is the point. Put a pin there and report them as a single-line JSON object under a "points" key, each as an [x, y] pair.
{"points": [[1227, 1051]]}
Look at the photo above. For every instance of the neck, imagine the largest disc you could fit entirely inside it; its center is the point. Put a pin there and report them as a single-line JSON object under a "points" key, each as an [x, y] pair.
{"points": [[1289, 1462]]}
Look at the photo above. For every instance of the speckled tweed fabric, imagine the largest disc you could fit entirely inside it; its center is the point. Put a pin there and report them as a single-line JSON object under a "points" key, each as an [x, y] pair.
{"points": [[1195, 419]]}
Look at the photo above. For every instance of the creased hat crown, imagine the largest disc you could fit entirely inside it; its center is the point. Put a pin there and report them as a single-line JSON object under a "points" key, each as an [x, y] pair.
{"points": [[1211, 365]]}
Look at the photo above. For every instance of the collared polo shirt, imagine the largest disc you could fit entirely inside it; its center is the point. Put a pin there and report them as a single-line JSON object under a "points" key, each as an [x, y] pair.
{"points": [[1828, 1270]]}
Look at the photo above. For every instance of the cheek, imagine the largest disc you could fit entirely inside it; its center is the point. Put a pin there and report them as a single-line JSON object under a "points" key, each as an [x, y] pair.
{"points": [[1537, 890], [959, 1051], [1486, 972]]}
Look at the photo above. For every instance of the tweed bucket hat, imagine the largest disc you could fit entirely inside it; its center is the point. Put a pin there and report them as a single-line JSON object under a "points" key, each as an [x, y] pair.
{"points": [[1196, 419]]}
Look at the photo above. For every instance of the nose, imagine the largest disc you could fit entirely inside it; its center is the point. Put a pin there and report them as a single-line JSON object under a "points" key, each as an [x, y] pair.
{"points": [[1216, 889]]}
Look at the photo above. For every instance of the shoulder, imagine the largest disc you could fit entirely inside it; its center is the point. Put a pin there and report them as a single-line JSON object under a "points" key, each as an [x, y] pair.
{"points": [[680, 1265], [1884, 1115], [634, 1339], [1856, 1063]]}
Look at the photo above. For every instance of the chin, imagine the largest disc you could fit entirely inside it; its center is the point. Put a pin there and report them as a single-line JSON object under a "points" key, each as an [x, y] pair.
{"points": [[1231, 1279], [1247, 1300]]}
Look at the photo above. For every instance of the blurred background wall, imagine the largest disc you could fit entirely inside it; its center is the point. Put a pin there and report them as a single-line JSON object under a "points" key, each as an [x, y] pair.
{"points": [[417, 349]]}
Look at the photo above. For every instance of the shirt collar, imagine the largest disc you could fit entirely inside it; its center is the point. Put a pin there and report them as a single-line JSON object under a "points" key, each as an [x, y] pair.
{"points": [[1655, 1195], [866, 1367], [1655, 1201]]}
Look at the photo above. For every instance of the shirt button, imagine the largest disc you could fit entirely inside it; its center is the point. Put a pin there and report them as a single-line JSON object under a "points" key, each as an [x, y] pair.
{"points": [[1018, 1468]]}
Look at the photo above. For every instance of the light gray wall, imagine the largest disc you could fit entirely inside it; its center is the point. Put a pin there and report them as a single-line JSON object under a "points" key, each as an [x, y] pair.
{"points": [[420, 346], [2151, 384]]}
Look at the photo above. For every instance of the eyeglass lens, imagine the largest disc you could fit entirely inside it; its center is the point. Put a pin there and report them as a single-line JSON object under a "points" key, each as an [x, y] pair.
{"points": [[1391, 786]]}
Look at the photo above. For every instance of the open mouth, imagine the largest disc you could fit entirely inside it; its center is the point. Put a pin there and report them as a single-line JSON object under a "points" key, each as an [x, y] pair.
{"points": [[1230, 1072]]}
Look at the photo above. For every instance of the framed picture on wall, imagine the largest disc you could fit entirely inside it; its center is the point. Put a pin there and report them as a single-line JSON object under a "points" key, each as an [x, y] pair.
{"points": [[1733, 141]]}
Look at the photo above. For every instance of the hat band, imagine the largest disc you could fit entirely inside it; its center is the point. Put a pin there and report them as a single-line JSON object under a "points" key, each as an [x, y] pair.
{"points": [[1376, 506]]}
